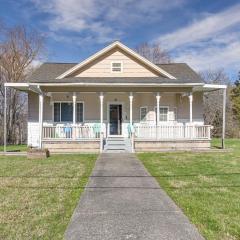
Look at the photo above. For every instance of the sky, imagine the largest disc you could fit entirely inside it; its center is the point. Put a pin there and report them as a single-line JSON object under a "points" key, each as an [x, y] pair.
{"points": [[203, 33]]}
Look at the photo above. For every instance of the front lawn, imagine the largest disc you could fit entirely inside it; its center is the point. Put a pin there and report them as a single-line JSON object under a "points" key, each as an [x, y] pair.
{"points": [[15, 148], [205, 185], [37, 197]]}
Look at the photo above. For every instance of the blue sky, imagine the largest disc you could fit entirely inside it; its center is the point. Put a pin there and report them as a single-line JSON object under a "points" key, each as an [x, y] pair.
{"points": [[203, 33]]}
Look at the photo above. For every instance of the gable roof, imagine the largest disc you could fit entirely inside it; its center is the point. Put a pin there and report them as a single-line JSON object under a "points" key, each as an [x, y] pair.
{"points": [[182, 71], [124, 48], [48, 73]]}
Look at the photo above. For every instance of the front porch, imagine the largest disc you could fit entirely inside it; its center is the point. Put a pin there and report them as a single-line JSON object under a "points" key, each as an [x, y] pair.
{"points": [[83, 121]]}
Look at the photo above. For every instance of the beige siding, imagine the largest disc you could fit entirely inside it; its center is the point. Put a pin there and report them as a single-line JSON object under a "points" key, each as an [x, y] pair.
{"points": [[183, 106], [102, 67], [177, 105], [33, 108]]}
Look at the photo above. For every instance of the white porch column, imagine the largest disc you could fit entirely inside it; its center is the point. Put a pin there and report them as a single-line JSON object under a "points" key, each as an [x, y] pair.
{"points": [[74, 98], [40, 119], [131, 110], [158, 96], [190, 97], [101, 96], [224, 116]]}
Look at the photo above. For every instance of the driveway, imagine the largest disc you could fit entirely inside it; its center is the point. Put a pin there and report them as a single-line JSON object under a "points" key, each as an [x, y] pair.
{"points": [[122, 201]]}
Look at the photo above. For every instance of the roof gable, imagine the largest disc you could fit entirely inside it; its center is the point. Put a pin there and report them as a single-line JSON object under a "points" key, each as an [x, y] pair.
{"points": [[123, 48], [101, 67]]}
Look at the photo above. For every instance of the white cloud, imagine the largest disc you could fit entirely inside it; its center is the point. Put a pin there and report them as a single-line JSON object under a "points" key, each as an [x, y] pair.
{"points": [[104, 20], [205, 28], [213, 57], [210, 42]]}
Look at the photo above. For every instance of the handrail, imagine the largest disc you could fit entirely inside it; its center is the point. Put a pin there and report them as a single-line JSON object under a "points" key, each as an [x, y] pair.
{"points": [[168, 132], [70, 132]]}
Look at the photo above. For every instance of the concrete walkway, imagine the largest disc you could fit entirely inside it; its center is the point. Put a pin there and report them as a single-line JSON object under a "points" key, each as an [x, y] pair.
{"points": [[121, 201]]}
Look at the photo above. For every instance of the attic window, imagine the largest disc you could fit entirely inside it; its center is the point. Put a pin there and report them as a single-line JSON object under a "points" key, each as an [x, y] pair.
{"points": [[116, 67]]}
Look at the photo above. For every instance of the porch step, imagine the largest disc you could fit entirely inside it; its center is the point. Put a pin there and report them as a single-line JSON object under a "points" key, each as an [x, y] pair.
{"points": [[117, 144]]}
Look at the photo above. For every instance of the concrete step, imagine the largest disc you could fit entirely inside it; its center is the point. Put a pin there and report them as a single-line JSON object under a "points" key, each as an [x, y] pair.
{"points": [[115, 147], [117, 144], [116, 151]]}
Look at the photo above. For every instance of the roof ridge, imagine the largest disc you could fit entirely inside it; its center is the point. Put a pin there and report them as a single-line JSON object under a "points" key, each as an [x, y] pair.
{"points": [[60, 63], [171, 63]]}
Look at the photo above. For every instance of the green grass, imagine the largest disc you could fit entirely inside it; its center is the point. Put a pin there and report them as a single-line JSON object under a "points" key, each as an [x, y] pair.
{"points": [[205, 185], [16, 148], [37, 197]]}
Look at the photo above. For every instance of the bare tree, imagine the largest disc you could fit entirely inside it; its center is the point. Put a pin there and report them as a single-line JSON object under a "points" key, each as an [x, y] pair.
{"points": [[153, 52], [213, 103], [18, 49]]}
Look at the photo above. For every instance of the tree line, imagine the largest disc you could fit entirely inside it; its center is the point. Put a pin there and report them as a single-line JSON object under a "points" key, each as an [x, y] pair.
{"points": [[20, 47]]}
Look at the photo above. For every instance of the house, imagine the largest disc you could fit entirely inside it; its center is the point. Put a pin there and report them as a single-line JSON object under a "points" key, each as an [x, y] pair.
{"points": [[116, 100]]}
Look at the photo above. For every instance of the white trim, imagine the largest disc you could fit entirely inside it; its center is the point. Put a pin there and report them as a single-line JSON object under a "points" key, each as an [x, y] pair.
{"points": [[202, 85], [122, 84], [109, 85], [110, 47], [40, 112], [214, 86], [121, 62], [7, 84], [108, 116], [190, 97], [131, 108], [140, 114]]}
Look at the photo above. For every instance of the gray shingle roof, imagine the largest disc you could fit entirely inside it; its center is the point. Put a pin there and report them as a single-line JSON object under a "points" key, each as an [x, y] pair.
{"points": [[48, 72]]}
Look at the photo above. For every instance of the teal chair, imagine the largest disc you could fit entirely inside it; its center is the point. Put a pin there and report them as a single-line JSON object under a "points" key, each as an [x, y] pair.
{"points": [[130, 129], [97, 129]]}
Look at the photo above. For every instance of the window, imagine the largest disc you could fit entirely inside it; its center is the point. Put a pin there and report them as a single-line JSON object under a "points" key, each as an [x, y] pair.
{"points": [[116, 67], [63, 112], [66, 112], [143, 114], [79, 112], [163, 113], [57, 112]]}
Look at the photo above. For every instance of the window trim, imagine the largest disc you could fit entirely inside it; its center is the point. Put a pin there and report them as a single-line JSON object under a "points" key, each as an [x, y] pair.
{"points": [[140, 113], [61, 111], [155, 109], [121, 62]]}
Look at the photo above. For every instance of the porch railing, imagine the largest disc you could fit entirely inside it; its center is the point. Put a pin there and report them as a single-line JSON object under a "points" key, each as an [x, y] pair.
{"points": [[172, 132], [70, 132]]}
